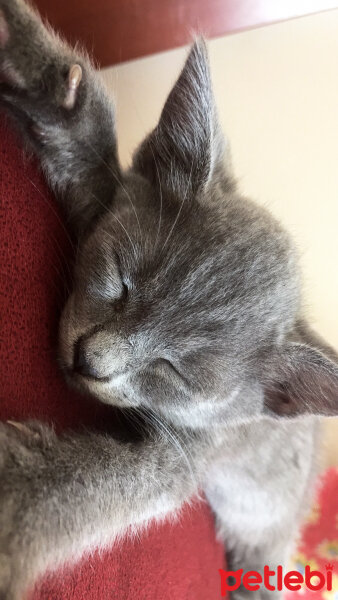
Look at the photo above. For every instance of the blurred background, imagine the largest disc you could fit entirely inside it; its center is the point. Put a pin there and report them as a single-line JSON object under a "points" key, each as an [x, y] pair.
{"points": [[275, 71]]}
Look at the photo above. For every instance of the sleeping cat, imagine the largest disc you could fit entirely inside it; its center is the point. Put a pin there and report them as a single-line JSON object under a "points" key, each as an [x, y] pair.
{"points": [[185, 311]]}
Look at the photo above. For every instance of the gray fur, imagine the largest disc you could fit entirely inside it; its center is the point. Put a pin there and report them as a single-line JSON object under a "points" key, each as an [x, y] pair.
{"points": [[185, 312]]}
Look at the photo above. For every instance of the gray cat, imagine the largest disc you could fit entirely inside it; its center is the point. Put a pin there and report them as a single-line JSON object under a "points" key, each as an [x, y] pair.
{"points": [[185, 311]]}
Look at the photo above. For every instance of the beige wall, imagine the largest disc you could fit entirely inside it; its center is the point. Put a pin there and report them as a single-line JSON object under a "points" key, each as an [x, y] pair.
{"points": [[277, 94]]}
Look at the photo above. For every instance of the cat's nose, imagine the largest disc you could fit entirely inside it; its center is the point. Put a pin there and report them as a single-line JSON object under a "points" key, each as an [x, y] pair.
{"points": [[82, 363]]}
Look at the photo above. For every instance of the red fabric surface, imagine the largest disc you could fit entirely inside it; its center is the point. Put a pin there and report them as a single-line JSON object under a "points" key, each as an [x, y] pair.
{"points": [[318, 545], [179, 561]]}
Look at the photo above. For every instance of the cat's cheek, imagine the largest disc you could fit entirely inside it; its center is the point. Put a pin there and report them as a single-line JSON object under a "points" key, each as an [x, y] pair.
{"points": [[67, 337], [158, 393], [70, 330]]}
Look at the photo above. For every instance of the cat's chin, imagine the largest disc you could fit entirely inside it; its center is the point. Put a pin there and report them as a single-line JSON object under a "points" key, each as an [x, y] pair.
{"points": [[102, 390]]}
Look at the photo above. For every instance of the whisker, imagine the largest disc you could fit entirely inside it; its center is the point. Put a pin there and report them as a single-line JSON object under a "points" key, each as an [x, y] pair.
{"points": [[120, 184], [63, 261], [161, 197], [53, 210], [118, 221], [179, 210], [173, 437], [135, 417]]}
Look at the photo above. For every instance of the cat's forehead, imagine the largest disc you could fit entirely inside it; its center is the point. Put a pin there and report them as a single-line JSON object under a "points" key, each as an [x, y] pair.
{"points": [[168, 250], [186, 245], [148, 226], [199, 269]]}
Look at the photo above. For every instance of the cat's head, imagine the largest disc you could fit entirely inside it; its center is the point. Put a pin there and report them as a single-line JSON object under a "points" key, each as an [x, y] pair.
{"points": [[185, 293]]}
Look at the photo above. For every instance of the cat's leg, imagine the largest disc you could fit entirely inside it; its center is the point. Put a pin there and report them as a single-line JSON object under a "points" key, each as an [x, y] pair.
{"points": [[63, 496], [57, 101], [259, 497]]}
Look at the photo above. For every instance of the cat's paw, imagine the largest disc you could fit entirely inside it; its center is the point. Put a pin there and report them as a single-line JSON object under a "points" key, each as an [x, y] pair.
{"points": [[35, 66], [31, 433], [22, 449]]}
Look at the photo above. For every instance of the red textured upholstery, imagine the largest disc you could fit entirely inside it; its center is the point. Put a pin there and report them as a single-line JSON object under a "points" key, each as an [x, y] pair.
{"points": [[177, 561], [318, 543]]}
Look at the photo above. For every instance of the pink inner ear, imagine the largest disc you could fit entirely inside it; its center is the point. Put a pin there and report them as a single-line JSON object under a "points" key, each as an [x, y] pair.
{"points": [[4, 31], [74, 79], [280, 402]]}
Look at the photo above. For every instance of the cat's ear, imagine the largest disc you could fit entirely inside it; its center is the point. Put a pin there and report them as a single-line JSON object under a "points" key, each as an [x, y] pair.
{"points": [[300, 379], [187, 147]]}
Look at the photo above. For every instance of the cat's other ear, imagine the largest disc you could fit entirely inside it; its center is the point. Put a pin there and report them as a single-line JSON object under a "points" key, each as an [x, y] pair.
{"points": [[301, 379], [187, 147]]}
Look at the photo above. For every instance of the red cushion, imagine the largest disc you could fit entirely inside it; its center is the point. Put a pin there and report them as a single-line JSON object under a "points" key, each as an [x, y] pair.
{"points": [[178, 561], [318, 543]]}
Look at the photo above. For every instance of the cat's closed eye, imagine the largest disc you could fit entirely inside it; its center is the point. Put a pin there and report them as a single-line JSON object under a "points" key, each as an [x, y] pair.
{"points": [[167, 365]]}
